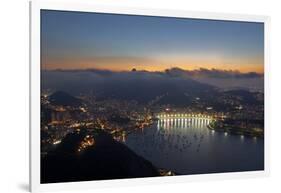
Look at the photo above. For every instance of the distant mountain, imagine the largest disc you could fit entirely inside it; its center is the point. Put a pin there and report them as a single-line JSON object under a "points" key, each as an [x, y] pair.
{"points": [[143, 90], [107, 159], [144, 86], [140, 86], [245, 96], [64, 99]]}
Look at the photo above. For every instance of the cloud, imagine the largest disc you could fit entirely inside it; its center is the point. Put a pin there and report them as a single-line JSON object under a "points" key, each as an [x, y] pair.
{"points": [[211, 73], [171, 72], [97, 80]]}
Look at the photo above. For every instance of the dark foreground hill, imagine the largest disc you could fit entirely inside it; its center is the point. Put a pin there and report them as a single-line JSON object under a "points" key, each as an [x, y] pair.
{"points": [[64, 99], [106, 159]]}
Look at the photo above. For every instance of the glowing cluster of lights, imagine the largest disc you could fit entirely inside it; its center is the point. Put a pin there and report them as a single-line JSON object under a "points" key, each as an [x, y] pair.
{"points": [[56, 142], [184, 115], [83, 109], [86, 142]]}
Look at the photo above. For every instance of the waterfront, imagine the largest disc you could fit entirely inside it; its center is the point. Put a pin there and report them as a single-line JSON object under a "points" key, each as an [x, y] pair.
{"points": [[187, 146], [132, 96]]}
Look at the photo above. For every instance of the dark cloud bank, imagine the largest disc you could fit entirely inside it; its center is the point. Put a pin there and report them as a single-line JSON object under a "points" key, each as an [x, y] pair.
{"points": [[213, 73], [99, 80]]}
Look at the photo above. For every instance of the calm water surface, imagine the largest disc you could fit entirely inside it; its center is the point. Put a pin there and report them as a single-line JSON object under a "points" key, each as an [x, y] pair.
{"points": [[187, 146]]}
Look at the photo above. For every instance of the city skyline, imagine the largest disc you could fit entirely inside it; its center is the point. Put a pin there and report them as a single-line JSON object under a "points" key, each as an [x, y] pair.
{"points": [[123, 94], [78, 40]]}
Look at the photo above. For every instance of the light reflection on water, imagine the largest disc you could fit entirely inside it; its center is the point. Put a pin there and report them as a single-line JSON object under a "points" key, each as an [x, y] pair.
{"points": [[187, 146]]}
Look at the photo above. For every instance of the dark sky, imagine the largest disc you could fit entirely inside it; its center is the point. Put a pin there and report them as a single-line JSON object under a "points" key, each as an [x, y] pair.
{"points": [[79, 40]]}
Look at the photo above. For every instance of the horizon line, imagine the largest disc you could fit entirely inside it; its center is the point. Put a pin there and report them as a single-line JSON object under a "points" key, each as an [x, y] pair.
{"points": [[152, 71]]}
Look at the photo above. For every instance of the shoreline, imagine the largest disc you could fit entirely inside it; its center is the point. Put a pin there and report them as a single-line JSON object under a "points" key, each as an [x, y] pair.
{"points": [[237, 131]]}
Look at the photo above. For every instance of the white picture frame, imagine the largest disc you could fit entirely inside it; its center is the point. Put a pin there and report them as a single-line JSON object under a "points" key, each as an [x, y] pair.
{"points": [[36, 6]]}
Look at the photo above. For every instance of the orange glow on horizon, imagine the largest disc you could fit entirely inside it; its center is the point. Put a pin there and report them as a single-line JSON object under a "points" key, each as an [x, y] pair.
{"points": [[245, 69], [242, 65]]}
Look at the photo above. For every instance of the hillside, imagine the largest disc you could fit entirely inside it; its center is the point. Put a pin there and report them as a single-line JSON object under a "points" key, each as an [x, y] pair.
{"points": [[107, 159]]}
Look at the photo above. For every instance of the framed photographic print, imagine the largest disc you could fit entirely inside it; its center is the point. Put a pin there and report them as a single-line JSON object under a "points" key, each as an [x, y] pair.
{"points": [[123, 95]]}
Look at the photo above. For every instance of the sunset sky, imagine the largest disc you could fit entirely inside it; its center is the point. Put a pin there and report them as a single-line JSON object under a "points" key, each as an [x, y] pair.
{"points": [[77, 40]]}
